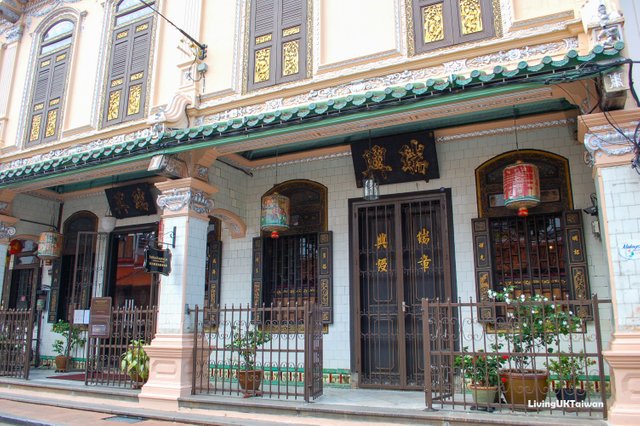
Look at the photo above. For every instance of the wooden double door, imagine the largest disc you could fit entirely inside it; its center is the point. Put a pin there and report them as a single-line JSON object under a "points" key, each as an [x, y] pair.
{"points": [[401, 253]]}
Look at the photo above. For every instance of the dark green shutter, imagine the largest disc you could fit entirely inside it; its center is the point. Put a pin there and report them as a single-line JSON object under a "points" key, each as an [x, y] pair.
{"points": [[578, 273], [483, 266], [325, 275], [276, 26], [54, 292], [128, 72]]}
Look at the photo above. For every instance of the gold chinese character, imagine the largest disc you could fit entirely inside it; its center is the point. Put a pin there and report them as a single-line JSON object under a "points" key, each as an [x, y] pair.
{"points": [[374, 158], [423, 236], [381, 240], [121, 206], [481, 245], [574, 238], [576, 252], [139, 200], [382, 264], [425, 262], [413, 158], [482, 257]]}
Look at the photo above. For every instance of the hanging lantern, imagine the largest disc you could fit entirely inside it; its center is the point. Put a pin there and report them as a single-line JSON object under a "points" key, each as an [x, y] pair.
{"points": [[15, 247], [521, 187], [370, 188], [49, 245], [274, 215]]}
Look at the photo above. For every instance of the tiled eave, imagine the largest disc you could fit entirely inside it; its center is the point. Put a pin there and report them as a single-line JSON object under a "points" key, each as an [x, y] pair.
{"points": [[412, 95]]}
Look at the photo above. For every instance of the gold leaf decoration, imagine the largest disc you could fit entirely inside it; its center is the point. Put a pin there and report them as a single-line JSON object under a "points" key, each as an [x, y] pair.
{"points": [[142, 27], [61, 57], [262, 65], [135, 94], [136, 76], [45, 63], [123, 34], [290, 31], [114, 105], [291, 58], [35, 127], [52, 117], [38, 107], [54, 102], [470, 16], [433, 23], [263, 38], [116, 82]]}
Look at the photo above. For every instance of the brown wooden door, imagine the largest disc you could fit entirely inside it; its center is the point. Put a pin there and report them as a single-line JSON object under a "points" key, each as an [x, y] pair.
{"points": [[401, 254]]}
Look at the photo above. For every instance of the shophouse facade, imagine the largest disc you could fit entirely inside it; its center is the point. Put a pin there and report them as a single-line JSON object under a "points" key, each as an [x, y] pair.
{"points": [[108, 111]]}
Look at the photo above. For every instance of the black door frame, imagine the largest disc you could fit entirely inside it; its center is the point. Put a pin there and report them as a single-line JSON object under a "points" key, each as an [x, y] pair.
{"points": [[354, 204]]}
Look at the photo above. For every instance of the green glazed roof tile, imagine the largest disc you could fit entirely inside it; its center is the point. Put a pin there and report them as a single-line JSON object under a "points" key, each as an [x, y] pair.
{"points": [[215, 133]]}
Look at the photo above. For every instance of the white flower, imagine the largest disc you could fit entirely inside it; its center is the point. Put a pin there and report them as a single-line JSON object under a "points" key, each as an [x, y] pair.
{"points": [[522, 297], [545, 299], [504, 289], [539, 321], [564, 323], [570, 312]]}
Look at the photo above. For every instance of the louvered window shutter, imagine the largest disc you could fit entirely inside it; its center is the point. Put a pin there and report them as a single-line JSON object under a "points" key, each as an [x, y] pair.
{"points": [[292, 47], [262, 44], [44, 118], [128, 72]]}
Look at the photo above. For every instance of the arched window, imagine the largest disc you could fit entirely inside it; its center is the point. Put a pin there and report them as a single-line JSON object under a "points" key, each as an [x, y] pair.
{"points": [[296, 268], [50, 82], [126, 86], [542, 253]]}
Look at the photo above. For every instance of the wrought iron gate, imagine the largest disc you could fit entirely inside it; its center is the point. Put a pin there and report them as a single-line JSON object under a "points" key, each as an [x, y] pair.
{"points": [[16, 331], [401, 251]]}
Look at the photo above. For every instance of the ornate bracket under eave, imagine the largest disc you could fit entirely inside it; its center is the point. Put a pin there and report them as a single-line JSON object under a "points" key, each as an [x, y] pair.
{"points": [[607, 145], [173, 115], [236, 225]]}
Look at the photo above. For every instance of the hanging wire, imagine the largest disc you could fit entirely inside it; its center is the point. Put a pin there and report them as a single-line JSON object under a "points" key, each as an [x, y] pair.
{"points": [[515, 126]]}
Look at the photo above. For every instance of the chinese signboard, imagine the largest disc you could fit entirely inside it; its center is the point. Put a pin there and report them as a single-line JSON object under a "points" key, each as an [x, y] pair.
{"points": [[157, 261], [100, 317], [398, 158], [131, 201]]}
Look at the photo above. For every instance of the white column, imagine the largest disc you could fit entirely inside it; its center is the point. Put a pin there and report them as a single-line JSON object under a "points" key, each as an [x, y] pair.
{"points": [[7, 68], [7, 230], [185, 204]]}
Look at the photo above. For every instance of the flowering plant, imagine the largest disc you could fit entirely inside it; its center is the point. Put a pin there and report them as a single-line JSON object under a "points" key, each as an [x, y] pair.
{"points": [[482, 369], [536, 322], [568, 369]]}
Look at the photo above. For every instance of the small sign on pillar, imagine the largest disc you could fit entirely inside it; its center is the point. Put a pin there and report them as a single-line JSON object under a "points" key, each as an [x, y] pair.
{"points": [[157, 261]]}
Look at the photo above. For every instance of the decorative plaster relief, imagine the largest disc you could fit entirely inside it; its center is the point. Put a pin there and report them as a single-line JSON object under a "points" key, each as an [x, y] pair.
{"points": [[237, 227], [177, 199], [32, 9], [6, 231], [503, 130], [173, 115], [611, 143]]}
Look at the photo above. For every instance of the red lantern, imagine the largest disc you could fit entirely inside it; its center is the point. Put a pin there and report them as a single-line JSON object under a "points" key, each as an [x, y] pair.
{"points": [[521, 187], [15, 246]]}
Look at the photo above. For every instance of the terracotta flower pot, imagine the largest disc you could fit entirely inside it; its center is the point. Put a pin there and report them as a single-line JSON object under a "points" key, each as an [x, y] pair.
{"points": [[250, 380], [520, 387], [62, 362]]}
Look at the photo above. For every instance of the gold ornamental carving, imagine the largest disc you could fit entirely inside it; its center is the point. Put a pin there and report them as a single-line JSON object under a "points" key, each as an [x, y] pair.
{"points": [[52, 118], [114, 105], [433, 23], [290, 31], [580, 284], [122, 35], [136, 76], [262, 65], [470, 16], [61, 57], [324, 292], [413, 158], [36, 122], [291, 58], [45, 63], [116, 82], [142, 27], [54, 102], [38, 107], [375, 158], [135, 95], [263, 38]]}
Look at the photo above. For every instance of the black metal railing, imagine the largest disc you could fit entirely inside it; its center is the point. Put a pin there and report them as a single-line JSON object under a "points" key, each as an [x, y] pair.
{"points": [[104, 355], [16, 331], [535, 354], [271, 351]]}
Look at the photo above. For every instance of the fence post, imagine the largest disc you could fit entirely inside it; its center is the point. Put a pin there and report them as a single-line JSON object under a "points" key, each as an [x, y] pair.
{"points": [[29, 337], [308, 348], [596, 319], [426, 342], [195, 351]]}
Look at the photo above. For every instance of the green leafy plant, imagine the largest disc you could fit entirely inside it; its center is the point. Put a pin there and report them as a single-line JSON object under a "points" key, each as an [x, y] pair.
{"points": [[245, 343], [482, 369], [568, 369], [135, 361], [536, 324], [71, 337]]}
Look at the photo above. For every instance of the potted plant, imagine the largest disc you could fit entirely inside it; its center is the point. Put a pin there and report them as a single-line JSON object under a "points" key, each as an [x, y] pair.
{"points": [[482, 371], [567, 370], [71, 337], [245, 343], [534, 326], [135, 362]]}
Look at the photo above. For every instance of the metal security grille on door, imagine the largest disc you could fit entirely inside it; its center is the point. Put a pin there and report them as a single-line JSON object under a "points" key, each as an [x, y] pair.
{"points": [[401, 254]]}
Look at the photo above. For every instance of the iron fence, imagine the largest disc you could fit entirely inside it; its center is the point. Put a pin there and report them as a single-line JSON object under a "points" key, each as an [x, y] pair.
{"points": [[533, 355], [271, 351], [104, 355], [16, 331]]}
